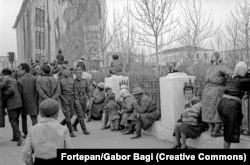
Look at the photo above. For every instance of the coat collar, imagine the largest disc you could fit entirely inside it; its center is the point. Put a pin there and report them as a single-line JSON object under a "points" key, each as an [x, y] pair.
{"points": [[48, 120]]}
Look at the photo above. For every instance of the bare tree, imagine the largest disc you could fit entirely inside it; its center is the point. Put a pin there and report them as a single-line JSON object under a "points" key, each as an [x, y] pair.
{"points": [[107, 31], [242, 15], [155, 20], [196, 28], [232, 37], [218, 41]]}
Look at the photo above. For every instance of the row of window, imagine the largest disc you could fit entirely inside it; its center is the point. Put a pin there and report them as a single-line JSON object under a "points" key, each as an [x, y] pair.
{"points": [[177, 57]]}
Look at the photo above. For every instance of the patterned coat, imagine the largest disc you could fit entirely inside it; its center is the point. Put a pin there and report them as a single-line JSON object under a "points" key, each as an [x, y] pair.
{"points": [[48, 87], [29, 95], [215, 81]]}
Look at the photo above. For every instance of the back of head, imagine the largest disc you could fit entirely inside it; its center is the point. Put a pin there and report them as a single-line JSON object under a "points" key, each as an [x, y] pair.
{"points": [[46, 69], [59, 51], [216, 58], [49, 107], [124, 93], [25, 67], [115, 57], [6, 72], [240, 69]]}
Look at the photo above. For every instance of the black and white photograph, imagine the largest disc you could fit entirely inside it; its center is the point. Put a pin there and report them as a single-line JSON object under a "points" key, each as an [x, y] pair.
{"points": [[89, 81]]}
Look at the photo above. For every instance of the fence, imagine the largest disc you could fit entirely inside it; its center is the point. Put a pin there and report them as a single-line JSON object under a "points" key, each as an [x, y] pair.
{"points": [[150, 87]]}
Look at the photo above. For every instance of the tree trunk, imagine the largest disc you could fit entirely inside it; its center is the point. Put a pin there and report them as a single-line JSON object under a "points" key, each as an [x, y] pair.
{"points": [[156, 57]]}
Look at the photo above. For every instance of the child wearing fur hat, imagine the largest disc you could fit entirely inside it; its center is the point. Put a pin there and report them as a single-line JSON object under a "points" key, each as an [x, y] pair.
{"points": [[46, 137]]}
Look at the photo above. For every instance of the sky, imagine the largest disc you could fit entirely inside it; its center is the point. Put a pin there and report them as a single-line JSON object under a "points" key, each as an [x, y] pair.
{"points": [[219, 9]]}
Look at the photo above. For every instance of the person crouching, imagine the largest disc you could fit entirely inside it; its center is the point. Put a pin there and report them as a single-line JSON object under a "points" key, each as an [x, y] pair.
{"points": [[112, 110]]}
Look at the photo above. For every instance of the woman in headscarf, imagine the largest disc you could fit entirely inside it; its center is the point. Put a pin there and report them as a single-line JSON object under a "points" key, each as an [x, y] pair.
{"points": [[127, 106], [97, 105], [229, 107], [216, 76]]}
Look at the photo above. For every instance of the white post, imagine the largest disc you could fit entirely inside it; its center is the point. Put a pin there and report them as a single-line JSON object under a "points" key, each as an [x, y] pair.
{"points": [[115, 83]]}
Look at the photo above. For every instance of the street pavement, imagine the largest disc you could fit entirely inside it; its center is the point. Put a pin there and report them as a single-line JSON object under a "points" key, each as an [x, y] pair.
{"points": [[10, 154]]}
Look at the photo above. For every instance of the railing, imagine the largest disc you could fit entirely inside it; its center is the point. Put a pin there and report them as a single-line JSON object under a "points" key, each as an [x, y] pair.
{"points": [[150, 87]]}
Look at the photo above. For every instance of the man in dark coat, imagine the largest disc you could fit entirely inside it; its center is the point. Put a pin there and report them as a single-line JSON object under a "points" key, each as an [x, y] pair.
{"points": [[60, 58], [145, 113], [14, 104], [47, 86], [116, 65], [29, 95]]}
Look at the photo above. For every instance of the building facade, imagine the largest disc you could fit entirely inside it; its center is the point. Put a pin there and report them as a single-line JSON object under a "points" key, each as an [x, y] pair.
{"points": [[180, 54], [43, 27]]}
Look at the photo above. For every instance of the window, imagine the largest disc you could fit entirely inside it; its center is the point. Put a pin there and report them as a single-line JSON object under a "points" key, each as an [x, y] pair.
{"points": [[40, 17], [40, 40]]}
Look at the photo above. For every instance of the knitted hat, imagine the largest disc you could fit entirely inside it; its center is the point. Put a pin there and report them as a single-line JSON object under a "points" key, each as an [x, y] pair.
{"points": [[137, 90], [49, 107], [124, 93], [124, 87]]}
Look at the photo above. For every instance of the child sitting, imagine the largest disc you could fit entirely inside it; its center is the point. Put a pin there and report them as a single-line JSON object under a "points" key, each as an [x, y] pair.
{"points": [[46, 137], [112, 110]]}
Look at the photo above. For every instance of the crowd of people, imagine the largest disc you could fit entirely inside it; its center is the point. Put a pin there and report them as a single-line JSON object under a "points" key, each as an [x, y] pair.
{"points": [[220, 110], [43, 90]]}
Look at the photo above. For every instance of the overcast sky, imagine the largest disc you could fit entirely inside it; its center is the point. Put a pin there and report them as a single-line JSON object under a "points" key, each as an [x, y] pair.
{"points": [[219, 9]]}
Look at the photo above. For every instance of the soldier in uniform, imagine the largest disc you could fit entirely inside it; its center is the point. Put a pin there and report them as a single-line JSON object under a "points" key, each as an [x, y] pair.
{"points": [[67, 99], [82, 89]]}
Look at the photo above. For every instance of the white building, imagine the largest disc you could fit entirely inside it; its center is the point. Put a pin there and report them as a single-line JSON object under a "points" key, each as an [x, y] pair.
{"points": [[45, 26], [180, 54]]}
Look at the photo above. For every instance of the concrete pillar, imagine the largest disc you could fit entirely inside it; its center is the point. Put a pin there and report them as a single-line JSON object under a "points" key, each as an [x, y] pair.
{"points": [[172, 97], [115, 83]]}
